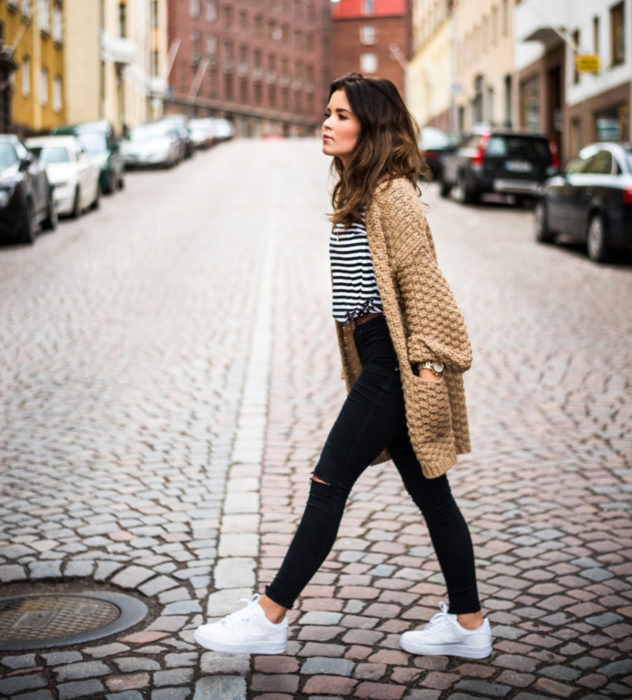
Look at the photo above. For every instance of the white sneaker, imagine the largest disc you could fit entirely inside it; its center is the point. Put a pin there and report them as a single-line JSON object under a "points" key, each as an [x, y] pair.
{"points": [[247, 631], [444, 636]]}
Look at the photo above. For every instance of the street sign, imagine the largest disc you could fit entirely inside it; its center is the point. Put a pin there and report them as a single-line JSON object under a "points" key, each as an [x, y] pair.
{"points": [[587, 64]]}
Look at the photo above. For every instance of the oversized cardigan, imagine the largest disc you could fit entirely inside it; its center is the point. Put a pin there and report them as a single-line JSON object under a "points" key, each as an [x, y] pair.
{"points": [[424, 323]]}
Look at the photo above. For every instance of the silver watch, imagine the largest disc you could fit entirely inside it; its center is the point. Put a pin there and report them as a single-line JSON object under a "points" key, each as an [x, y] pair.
{"points": [[434, 366]]}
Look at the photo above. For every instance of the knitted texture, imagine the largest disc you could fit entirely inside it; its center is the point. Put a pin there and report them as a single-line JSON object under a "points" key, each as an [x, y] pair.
{"points": [[424, 323]]}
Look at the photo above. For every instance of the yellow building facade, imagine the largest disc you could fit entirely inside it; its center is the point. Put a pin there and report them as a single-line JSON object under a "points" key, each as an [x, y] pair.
{"points": [[116, 60], [32, 32], [462, 66]]}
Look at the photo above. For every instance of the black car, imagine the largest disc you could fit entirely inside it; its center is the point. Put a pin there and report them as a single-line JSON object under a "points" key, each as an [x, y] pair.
{"points": [[98, 141], [590, 201], [26, 196], [499, 161]]}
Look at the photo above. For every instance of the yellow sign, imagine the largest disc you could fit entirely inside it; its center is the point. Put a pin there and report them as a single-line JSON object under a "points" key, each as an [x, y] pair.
{"points": [[587, 64]]}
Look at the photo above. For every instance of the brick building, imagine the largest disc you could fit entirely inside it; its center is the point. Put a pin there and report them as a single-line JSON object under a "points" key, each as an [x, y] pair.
{"points": [[372, 37], [260, 64]]}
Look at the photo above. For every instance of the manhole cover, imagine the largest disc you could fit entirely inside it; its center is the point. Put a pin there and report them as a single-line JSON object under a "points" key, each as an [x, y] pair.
{"points": [[59, 619]]}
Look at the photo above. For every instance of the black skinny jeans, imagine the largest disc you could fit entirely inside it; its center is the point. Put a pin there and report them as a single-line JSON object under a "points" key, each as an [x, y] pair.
{"points": [[371, 419]]}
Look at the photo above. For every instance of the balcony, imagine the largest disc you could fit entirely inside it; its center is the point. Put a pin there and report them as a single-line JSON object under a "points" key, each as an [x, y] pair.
{"points": [[115, 49]]}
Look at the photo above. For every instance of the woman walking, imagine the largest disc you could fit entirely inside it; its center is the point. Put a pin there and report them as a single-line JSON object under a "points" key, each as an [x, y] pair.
{"points": [[404, 349]]}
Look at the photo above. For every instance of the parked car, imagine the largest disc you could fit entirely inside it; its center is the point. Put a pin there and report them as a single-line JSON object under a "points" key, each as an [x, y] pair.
{"points": [[499, 160], [98, 141], [72, 173], [152, 145], [590, 201], [202, 132], [224, 130], [179, 123], [434, 145], [26, 196]]}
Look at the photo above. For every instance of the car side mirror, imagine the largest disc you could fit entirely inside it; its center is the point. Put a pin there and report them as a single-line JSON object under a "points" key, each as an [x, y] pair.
{"points": [[26, 161]]}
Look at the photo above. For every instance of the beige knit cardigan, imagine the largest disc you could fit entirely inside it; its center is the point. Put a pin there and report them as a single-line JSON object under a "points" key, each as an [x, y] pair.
{"points": [[424, 323]]}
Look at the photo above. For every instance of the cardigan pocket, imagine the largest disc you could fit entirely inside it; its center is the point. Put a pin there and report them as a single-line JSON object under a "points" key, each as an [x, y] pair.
{"points": [[430, 416]]}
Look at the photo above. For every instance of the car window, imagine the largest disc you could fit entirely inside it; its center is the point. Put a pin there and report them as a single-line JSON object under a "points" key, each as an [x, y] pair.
{"points": [[92, 141], [51, 154], [148, 132], [8, 156], [576, 165], [628, 158], [518, 147], [471, 141], [599, 164]]}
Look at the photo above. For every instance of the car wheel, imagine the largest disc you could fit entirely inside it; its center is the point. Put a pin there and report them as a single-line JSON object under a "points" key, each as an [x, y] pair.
{"points": [[76, 206], [97, 198], [464, 194], [596, 239], [445, 189], [50, 222], [28, 230], [541, 230]]}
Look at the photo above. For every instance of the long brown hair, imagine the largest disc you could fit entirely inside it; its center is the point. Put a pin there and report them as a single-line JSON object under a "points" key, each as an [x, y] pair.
{"points": [[386, 148]]}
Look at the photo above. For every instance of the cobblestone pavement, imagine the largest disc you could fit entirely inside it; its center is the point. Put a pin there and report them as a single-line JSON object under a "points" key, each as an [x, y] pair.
{"points": [[169, 374]]}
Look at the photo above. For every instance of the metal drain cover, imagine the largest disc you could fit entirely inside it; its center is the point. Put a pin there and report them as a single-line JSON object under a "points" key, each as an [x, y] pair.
{"points": [[59, 619]]}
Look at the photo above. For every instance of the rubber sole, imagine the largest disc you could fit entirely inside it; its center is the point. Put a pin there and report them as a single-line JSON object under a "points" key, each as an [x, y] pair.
{"points": [[461, 650], [247, 648]]}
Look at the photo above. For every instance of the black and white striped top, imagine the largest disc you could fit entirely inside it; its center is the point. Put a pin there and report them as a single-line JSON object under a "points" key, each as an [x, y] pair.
{"points": [[355, 291]]}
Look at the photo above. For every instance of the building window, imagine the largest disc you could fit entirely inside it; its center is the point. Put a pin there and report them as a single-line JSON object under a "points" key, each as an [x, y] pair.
{"points": [[228, 55], [617, 34], [368, 63], [243, 21], [211, 10], [576, 39], [122, 19], [196, 48], [26, 76], [155, 63], [194, 8], [367, 34], [26, 8], [505, 17], [57, 102], [58, 26], [44, 86], [211, 46], [228, 17], [44, 17], [368, 7], [596, 36], [154, 14]]}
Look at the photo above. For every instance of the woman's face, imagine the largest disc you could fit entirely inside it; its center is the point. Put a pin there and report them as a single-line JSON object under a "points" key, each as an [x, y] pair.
{"points": [[341, 128]]}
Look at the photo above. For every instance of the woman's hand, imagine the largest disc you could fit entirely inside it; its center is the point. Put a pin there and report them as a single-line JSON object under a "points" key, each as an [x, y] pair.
{"points": [[428, 375]]}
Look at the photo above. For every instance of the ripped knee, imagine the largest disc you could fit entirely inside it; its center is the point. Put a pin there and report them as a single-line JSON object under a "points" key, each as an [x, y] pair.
{"points": [[319, 481]]}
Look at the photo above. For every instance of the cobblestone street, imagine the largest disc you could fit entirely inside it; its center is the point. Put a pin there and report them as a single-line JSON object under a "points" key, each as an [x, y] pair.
{"points": [[169, 374]]}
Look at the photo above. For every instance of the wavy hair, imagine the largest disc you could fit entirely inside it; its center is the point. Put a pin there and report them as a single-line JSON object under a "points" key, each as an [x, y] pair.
{"points": [[386, 148]]}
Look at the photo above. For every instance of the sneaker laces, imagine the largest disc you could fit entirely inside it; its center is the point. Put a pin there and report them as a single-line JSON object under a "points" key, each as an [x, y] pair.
{"points": [[249, 612], [441, 617]]}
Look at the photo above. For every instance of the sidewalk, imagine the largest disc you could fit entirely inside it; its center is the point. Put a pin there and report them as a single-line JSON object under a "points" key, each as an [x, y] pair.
{"points": [[193, 505]]}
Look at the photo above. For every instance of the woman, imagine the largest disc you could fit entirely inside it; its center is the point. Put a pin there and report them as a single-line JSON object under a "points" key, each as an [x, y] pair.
{"points": [[404, 349]]}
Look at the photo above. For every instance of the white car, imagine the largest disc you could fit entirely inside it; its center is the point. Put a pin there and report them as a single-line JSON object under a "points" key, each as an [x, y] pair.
{"points": [[152, 145], [72, 173], [202, 132]]}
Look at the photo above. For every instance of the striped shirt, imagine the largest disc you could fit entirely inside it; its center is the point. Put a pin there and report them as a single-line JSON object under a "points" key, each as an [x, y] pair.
{"points": [[355, 291]]}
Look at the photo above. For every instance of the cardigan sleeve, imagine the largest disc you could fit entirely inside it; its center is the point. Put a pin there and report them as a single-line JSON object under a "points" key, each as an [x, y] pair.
{"points": [[435, 326]]}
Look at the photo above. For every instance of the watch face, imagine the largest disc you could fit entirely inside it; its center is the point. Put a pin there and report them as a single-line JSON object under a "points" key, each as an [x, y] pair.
{"points": [[438, 367]]}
